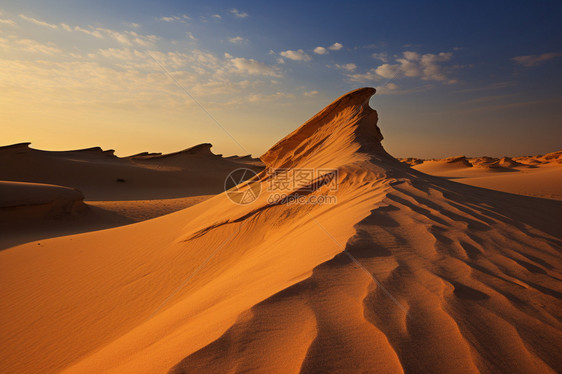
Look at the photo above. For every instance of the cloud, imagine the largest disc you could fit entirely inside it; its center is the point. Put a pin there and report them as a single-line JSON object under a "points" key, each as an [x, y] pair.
{"points": [[412, 64], [32, 46], [383, 56], [370, 75], [117, 53], [253, 67], [298, 55], [320, 50], [534, 60], [128, 78], [128, 38], [256, 98], [409, 55], [430, 67], [8, 22], [93, 33], [348, 67], [335, 47], [236, 39], [118, 36], [37, 22], [238, 14], [183, 18], [387, 88]]}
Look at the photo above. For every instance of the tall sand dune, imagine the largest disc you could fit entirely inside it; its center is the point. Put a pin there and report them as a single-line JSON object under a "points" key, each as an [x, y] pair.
{"points": [[407, 272]]}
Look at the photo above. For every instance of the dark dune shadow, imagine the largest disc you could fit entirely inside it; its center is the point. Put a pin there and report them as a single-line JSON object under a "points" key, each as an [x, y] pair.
{"points": [[16, 233]]}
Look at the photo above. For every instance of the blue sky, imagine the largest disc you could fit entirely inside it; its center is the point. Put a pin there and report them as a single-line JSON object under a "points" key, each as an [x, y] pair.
{"points": [[453, 78]]}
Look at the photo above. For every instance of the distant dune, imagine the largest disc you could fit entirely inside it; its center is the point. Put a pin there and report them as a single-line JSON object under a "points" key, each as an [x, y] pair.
{"points": [[102, 176], [113, 191], [539, 176], [407, 272], [24, 201]]}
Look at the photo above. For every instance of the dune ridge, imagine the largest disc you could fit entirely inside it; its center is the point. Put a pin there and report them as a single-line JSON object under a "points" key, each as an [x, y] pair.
{"points": [[538, 176], [446, 277], [102, 176]]}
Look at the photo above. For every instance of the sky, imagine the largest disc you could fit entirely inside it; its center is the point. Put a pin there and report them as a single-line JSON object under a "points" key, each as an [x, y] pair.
{"points": [[452, 78]]}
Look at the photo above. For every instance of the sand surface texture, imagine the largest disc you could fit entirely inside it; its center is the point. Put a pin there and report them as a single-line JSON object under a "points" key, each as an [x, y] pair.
{"points": [[407, 272]]}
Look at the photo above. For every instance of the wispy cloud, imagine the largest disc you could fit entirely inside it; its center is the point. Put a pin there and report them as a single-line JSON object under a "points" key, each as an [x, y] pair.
{"points": [[38, 22], [534, 60], [93, 33], [183, 18], [348, 67], [253, 67], [412, 64], [238, 13], [387, 89], [29, 45], [298, 55], [370, 75], [128, 38], [382, 56], [8, 22], [133, 25], [256, 98], [236, 40]]}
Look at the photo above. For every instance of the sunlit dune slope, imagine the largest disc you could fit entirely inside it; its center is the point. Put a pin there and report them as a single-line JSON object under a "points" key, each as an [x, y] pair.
{"points": [[539, 176], [406, 272]]}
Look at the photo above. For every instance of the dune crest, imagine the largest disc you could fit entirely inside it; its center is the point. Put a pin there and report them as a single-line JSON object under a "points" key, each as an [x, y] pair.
{"points": [[406, 273], [347, 125]]}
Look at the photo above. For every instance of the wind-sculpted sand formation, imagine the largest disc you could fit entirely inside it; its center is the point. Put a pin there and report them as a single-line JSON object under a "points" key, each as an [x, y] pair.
{"points": [[407, 272]]}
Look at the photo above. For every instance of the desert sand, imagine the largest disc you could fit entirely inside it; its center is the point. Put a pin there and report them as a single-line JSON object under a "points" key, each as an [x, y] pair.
{"points": [[102, 190], [407, 272], [539, 176]]}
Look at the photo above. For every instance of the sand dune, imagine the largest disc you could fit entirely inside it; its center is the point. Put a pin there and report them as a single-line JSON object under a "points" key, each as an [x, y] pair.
{"points": [[102, 176], [406, 273], [25, 201], [116, 191], [539, 176]]}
